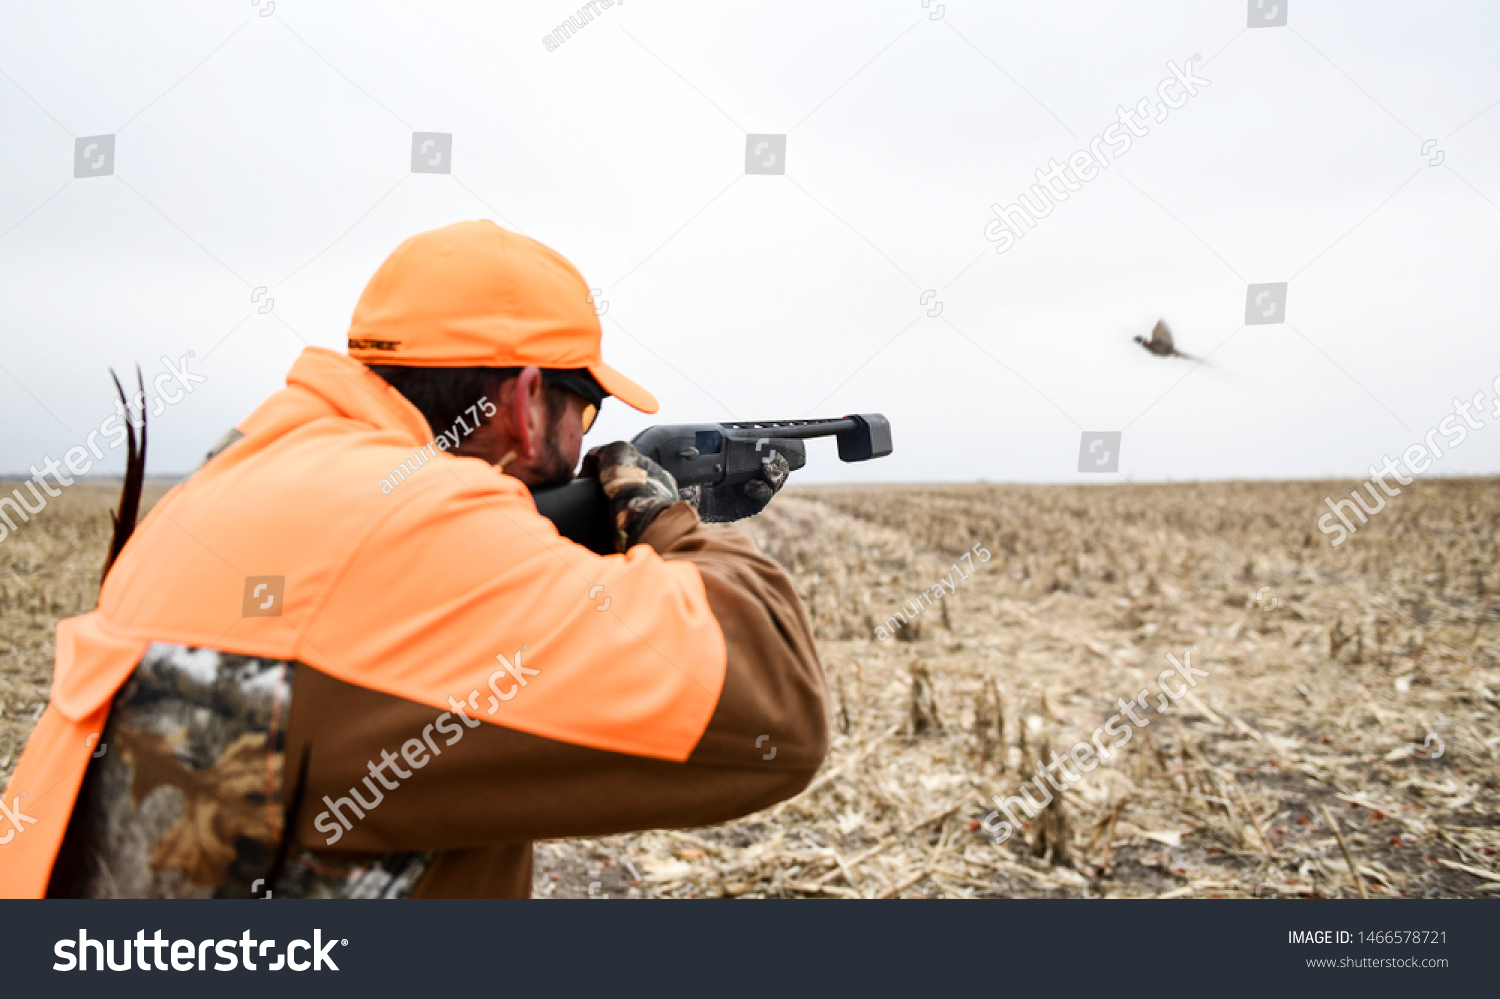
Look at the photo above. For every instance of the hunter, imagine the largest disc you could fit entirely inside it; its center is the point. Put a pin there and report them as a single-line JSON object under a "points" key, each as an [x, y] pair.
{"points": [[347, 657]]}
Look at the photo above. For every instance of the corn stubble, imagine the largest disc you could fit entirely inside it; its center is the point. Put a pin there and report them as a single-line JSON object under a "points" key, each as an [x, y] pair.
{"points": [[1330, 668], [1356, 683]]}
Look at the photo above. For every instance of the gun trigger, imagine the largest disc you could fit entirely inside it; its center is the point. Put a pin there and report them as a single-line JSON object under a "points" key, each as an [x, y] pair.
{"points": [[688, 452]]}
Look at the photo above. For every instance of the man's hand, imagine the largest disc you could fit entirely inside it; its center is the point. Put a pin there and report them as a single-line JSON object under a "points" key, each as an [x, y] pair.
{"points": [[723, 503], [637, 489]]}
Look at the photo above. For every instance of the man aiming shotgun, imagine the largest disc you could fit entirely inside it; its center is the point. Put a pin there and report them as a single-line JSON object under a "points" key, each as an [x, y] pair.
{"points": [[302, 682]]}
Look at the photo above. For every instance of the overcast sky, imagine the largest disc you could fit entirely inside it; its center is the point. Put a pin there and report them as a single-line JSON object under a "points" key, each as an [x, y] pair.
{"points": [[1353, 152]]}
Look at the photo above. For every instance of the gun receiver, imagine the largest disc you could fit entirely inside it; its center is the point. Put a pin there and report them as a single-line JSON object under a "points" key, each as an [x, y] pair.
{"points": [[710, 454]]}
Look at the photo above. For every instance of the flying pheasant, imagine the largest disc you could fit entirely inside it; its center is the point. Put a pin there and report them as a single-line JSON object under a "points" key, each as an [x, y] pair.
{"points": [[1160, 343]]}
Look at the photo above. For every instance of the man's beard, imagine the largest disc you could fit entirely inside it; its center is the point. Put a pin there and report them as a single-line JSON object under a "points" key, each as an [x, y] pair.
{"points": [[554, 469]]}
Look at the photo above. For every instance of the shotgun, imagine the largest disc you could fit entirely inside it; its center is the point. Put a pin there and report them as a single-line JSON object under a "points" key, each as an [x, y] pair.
{"points": [[709, 454]]}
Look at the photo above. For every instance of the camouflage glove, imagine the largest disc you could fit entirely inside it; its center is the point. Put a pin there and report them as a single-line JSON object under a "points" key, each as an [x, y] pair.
{"points": [[637, 489], [721, 504]]}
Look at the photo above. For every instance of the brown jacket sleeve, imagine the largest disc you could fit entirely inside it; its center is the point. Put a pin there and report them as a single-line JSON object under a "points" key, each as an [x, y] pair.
{"points": [[767, 737]]}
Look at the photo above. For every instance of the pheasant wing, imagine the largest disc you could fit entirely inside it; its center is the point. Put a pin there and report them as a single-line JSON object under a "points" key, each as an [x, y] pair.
{"points": [[1160, 334]]}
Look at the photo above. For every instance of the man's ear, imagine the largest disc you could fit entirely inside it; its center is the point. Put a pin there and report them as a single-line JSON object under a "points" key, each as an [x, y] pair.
{"points": [[527, 409]]}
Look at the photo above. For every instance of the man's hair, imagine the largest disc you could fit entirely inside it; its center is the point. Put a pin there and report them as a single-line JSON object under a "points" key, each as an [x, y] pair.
{"points": [[443, 395]]}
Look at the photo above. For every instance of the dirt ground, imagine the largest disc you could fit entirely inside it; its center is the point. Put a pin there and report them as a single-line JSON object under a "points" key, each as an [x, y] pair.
{"points": [[1357, 682]]}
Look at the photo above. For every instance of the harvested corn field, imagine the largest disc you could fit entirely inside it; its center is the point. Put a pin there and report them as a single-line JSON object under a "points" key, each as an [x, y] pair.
{"points": [[1357, 682], [49, 570], [1338, 736]]}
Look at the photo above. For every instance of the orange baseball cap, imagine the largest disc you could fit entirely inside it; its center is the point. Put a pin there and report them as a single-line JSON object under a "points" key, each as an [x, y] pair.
{"points": [[474, 294]]}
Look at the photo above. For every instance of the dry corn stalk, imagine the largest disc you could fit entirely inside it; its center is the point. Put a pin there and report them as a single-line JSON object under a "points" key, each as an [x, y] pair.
{"points": [[989, 723], [1050, 826], [924, 711]]}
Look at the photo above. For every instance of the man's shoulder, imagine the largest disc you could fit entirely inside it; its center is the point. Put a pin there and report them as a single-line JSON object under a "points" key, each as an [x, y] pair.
{"points": [[353, 465], [316, 495]]}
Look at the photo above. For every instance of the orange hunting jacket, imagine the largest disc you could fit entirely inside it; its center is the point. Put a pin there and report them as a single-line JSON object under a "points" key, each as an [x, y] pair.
{"points": [[652, 684]]}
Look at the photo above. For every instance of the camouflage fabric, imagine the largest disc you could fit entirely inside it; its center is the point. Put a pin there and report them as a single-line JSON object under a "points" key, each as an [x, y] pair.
{"points": [[185, 801], [724, 503], [231, 436], [185, 797], [637, 488], [308, 875]]}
